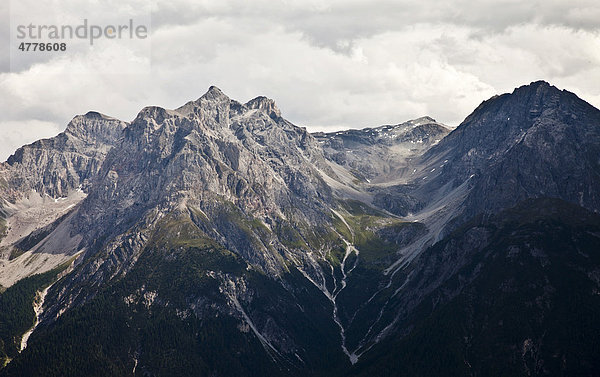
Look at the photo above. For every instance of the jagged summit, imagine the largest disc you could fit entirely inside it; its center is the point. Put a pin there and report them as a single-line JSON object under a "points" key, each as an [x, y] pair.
{"points": [[213, 150], [412, 124], [527, 106], [536, 84], [266, 104], [96, 115], [538, 98], [539, 86], [423, 119], [531, 96], [67, 162], [94, 127], [214, 93]]}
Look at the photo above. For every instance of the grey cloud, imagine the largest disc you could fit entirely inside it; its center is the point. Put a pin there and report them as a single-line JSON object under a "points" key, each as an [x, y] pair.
{"points": [[336, 21], [66, 12]]}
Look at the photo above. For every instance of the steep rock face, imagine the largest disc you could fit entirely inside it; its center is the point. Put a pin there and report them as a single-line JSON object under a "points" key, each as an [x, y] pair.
{"points": [[188, 306], [63, 163], [236, 181], [228, 163], [489, 163], [538, 141], [265, 104], [235, 195], [42, 182]]}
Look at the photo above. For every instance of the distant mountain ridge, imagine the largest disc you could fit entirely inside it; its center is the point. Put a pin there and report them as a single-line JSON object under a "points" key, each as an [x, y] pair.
{"points": [[382, 153]]}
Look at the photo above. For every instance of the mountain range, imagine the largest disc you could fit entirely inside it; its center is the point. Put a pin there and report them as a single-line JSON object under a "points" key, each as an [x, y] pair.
{"points": [[220, 239]]}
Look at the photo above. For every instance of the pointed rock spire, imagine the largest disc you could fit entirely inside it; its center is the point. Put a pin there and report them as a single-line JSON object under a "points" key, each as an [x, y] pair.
{"points": [[214, 93]]}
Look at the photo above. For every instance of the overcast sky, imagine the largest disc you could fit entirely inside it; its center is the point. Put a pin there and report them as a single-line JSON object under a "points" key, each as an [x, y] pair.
{"points": [[329, 65]]}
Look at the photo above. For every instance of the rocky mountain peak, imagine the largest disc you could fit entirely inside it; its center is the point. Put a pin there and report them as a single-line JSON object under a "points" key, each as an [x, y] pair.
{"points": [[422, 120], [377, 154], [528, 103], [214, 93], [66, 162], [225, 160], [503, 120], [536, 85], [94, 127], [266, 104], [553, 129], [214, 100]]}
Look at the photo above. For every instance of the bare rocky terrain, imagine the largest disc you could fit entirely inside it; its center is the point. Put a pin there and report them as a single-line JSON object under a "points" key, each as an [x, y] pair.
{"points": [[220, 238]]}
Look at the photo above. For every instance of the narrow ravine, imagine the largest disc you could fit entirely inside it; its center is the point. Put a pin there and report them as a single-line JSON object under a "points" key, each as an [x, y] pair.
{"points": [[362, 346], [333, 297], [349, 250], [40, 298], [38, 305], [435, 225], [339, 286]]}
